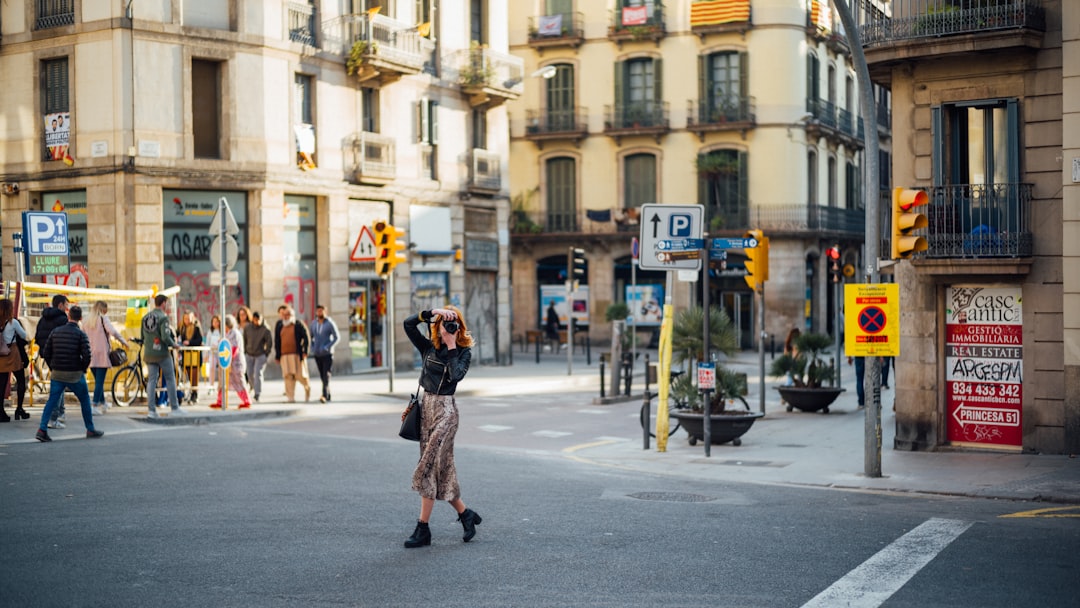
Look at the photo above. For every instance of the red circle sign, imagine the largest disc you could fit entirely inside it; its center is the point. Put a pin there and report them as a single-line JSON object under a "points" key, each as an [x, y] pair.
{"points": [[872, 319]]}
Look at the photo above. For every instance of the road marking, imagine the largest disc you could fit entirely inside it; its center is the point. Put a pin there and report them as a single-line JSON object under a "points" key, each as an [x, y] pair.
{"points": [[1049, 512], [552, 434], [878, 578], [594, 410], [585, 446], [494, 428]]}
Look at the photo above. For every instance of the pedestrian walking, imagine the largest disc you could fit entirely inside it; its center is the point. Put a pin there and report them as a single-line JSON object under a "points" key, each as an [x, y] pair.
{"points": [[236, 368], [68, 354], [886, 363], [213, 338], [100, 330], [14, 338], [191, 360], [324, 335], [291, 342], [551, 326], [258, 343], [446, 357], [243, 317], [51, 318], [159, 340]]}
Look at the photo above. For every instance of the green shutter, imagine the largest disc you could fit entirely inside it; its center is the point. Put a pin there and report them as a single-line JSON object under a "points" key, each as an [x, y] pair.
{"points": [[1013, 145], [702, 91], [658, 82], [937, 134], [744, 75], [617, 110], [744, 181]]}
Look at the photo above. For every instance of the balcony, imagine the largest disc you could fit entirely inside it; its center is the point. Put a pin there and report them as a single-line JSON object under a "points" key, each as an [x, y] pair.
{"points": [[637, 23], [301, 20], [378, 49], [556, 125], [728, 113], [719, 17], [634, 119], [485, 172], [488, 77], [793, 220], [835, 124], [370, 158], [54, 13], [977, 221], [931, 28], [558, 30]]}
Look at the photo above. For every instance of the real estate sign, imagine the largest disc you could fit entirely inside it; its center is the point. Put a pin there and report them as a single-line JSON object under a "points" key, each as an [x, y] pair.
{"points": [[984, 359]]}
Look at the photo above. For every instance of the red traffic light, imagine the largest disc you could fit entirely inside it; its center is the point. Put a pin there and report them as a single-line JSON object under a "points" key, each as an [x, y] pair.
{"points": [[834, 253]]}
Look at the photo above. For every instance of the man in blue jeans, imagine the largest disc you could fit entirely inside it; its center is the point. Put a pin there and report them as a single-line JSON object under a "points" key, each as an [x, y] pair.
{"points": [[68, 354], [159, 340], [324, 335]]}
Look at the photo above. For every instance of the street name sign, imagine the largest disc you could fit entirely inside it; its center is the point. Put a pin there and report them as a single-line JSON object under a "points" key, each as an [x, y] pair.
{"points": [[872, 320], [671, 224], [747, 243]]}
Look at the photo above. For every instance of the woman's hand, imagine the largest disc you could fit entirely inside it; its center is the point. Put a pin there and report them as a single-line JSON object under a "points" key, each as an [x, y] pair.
{"points": [[444, 314]]}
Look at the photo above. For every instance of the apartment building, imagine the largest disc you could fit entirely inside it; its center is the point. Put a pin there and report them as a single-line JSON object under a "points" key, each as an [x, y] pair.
{"points": [[312, 119], [986, 101], [749, 107]]}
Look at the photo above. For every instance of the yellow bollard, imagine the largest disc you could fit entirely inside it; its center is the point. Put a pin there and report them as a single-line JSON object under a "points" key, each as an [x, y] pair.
{"points": [[664, 379]]}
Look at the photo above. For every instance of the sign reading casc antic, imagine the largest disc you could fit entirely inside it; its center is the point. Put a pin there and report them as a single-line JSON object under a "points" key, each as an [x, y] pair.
{"points": [[872, 320]]}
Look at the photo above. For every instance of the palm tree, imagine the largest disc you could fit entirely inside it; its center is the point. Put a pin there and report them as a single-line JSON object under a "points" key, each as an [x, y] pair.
{"points": [[686, 336]]}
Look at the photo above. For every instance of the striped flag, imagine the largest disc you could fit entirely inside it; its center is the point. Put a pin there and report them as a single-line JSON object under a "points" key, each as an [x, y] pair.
{"points": [[712, 12]]}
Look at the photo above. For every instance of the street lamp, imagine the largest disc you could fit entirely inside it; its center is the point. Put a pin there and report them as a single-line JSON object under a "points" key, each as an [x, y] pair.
{"points": [[547, 72]]}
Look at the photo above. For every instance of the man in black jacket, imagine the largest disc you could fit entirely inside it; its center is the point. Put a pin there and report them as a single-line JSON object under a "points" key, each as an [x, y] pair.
{"points": [[51, 318], [68, 354]]}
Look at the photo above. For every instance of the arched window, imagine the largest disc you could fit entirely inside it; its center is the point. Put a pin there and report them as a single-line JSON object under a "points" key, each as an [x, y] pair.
{"points": [[639, 180], [811, 178], [561, 98], [832, 181], [561, 194], [723, 187]]}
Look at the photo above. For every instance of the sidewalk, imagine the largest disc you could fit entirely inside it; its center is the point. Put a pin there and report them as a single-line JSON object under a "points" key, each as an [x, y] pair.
{"points": [[796, 448]]}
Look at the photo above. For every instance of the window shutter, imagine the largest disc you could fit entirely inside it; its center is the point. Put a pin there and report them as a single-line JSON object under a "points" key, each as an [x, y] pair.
{"points": [[433, 122], [744, 181], [937, 134], [421, 121], [1013, 133], [658, 84], [702, 86], [702, 186], [620, 67], [744, 75]]}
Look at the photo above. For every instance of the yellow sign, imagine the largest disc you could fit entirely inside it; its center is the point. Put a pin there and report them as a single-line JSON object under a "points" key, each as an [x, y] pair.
{"points": [[872, 320]]}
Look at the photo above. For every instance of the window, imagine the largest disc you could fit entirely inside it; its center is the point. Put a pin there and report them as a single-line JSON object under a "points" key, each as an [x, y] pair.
{"points": [[639, 180], [561, 98], [723, 186], [55, 108], [811, 178], [369, 101], [849, 94], [976, 143], [561, 193], [832, 181], [813, 77], [423, 11], [302, 112], [54, 13], [476, 22], [722, 87], [206, 108], [832, 84], [427, 133], [638, 93], [853, 186], [479, 129], [303, 123], [300, 258]]}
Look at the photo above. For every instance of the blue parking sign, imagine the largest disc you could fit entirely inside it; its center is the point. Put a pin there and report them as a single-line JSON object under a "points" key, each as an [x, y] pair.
{"points": [[45, 243]]}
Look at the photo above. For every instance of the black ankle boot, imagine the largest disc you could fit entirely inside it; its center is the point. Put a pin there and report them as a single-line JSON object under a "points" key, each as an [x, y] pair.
{"points": [[469, 520], [421, 536]]}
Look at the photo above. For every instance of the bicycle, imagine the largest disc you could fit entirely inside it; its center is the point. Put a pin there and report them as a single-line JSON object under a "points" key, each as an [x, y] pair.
{"points": [[129, 383]]}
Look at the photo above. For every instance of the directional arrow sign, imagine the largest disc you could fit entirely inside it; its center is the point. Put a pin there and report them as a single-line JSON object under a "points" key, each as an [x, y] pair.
{"points": [[680, 244], [966, 414], [670, 223]]}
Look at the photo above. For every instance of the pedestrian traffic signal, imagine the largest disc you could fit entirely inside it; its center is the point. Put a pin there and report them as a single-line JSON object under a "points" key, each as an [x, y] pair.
{"points": [[757, 260], [575, 266], [834, 262], [905, 222], [389, 249]]}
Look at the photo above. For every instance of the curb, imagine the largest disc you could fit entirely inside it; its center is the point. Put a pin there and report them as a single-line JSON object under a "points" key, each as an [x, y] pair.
{"points": [[211, 418]]}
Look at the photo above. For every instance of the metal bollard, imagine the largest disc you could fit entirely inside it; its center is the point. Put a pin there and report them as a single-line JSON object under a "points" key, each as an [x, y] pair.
{"points": [[601, 378], [628, 373], [772, 346], [646, 414], [538, 350], [646, 373], [588, 351]]}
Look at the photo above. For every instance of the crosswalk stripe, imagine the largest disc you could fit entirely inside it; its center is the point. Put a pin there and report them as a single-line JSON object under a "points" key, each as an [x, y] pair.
{"points": [[552, 434], [494, 428], [878, 578]]}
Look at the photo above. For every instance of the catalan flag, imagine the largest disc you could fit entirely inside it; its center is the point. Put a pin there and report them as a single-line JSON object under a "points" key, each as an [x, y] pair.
{"points": [[713, 12]]}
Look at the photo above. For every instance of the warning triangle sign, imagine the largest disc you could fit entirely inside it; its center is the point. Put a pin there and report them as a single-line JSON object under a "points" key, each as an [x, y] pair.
{"points": [[364, 248]]}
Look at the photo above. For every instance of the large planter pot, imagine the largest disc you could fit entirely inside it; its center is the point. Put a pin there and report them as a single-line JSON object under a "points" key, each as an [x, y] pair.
{"points": [[809, 399], [724, 427]]}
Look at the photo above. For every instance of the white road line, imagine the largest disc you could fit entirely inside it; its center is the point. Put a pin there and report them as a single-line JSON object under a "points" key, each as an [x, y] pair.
{"points": [[494, 428], [552, 434], [876, 579]]}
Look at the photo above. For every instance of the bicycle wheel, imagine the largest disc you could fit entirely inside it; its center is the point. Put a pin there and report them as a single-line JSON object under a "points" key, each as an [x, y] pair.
{"points": [[126, 386], [673, 424]]}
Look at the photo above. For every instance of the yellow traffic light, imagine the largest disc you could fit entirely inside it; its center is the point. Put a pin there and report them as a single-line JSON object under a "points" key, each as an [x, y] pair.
{"points": [[389, 249], [757, 260], [905, 222]]}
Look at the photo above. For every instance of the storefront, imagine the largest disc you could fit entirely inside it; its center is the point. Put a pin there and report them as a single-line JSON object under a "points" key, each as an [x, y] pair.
{"points": [[367, 291], [301, 265]]}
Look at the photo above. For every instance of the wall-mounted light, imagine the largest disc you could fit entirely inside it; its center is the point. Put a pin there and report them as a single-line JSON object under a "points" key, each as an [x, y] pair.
{"points": [[546, 72]]}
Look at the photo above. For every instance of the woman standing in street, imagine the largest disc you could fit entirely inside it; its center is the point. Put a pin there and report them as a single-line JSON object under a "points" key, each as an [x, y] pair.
{"points": [[191, 336], [213, 338], [236, 368], [11, 332], [99, 329], [446, 361]]}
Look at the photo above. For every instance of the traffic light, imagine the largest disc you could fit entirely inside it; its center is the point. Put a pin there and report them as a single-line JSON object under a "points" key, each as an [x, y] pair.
{"points": [[575, 266], [834, 263], [389, 249], [757, 260], [905, 221]]}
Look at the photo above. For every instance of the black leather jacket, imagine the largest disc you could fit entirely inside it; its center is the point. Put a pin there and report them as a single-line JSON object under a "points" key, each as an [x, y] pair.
{"points": [[443, 368]]}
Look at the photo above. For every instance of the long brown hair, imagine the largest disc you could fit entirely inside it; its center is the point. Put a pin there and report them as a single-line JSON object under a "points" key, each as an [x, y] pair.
{"points": [[464, 338], [7, 312]]}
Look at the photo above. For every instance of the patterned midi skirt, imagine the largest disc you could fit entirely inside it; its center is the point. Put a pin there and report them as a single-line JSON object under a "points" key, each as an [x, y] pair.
{"points": [[435, 476]]}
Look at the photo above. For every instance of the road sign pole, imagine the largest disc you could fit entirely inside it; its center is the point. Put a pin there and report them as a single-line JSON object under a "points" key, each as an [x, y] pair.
{"points": [[393, 327], [222, 206], [707, 418], [839, 328], [761, 349]]}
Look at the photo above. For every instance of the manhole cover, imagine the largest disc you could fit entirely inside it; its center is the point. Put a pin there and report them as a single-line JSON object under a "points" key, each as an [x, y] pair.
{"points": [[671, 497]]}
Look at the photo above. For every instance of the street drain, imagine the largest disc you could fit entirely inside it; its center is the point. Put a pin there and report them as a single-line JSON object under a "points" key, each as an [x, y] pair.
{"points": [[671, 497]]}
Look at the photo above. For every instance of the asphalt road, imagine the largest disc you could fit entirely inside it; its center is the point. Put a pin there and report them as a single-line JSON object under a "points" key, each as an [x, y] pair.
{"points": [[300, 513]]}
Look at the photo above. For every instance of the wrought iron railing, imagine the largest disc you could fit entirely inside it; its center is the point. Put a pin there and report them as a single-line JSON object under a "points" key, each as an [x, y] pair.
{"points": [[384, 38], [301, 16], [822, 111], [792, 218], [372, 155], [977, 221], [569, 25], [481, 66], [563, 120], [54, 13], [486, 172], [725, 108], [914, 19], [637, 115]]}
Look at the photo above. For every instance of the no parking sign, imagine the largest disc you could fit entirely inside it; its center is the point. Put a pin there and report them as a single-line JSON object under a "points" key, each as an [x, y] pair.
{"points": [[872, 320]]}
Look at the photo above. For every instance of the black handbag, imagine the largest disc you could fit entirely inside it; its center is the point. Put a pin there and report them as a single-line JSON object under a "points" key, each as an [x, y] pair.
{"points": [[412, 418], [117, 356]]}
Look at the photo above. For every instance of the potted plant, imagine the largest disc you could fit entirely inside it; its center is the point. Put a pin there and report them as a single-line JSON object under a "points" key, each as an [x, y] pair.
{"points": [[729, 416], [811, 387], [359, 52]]}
